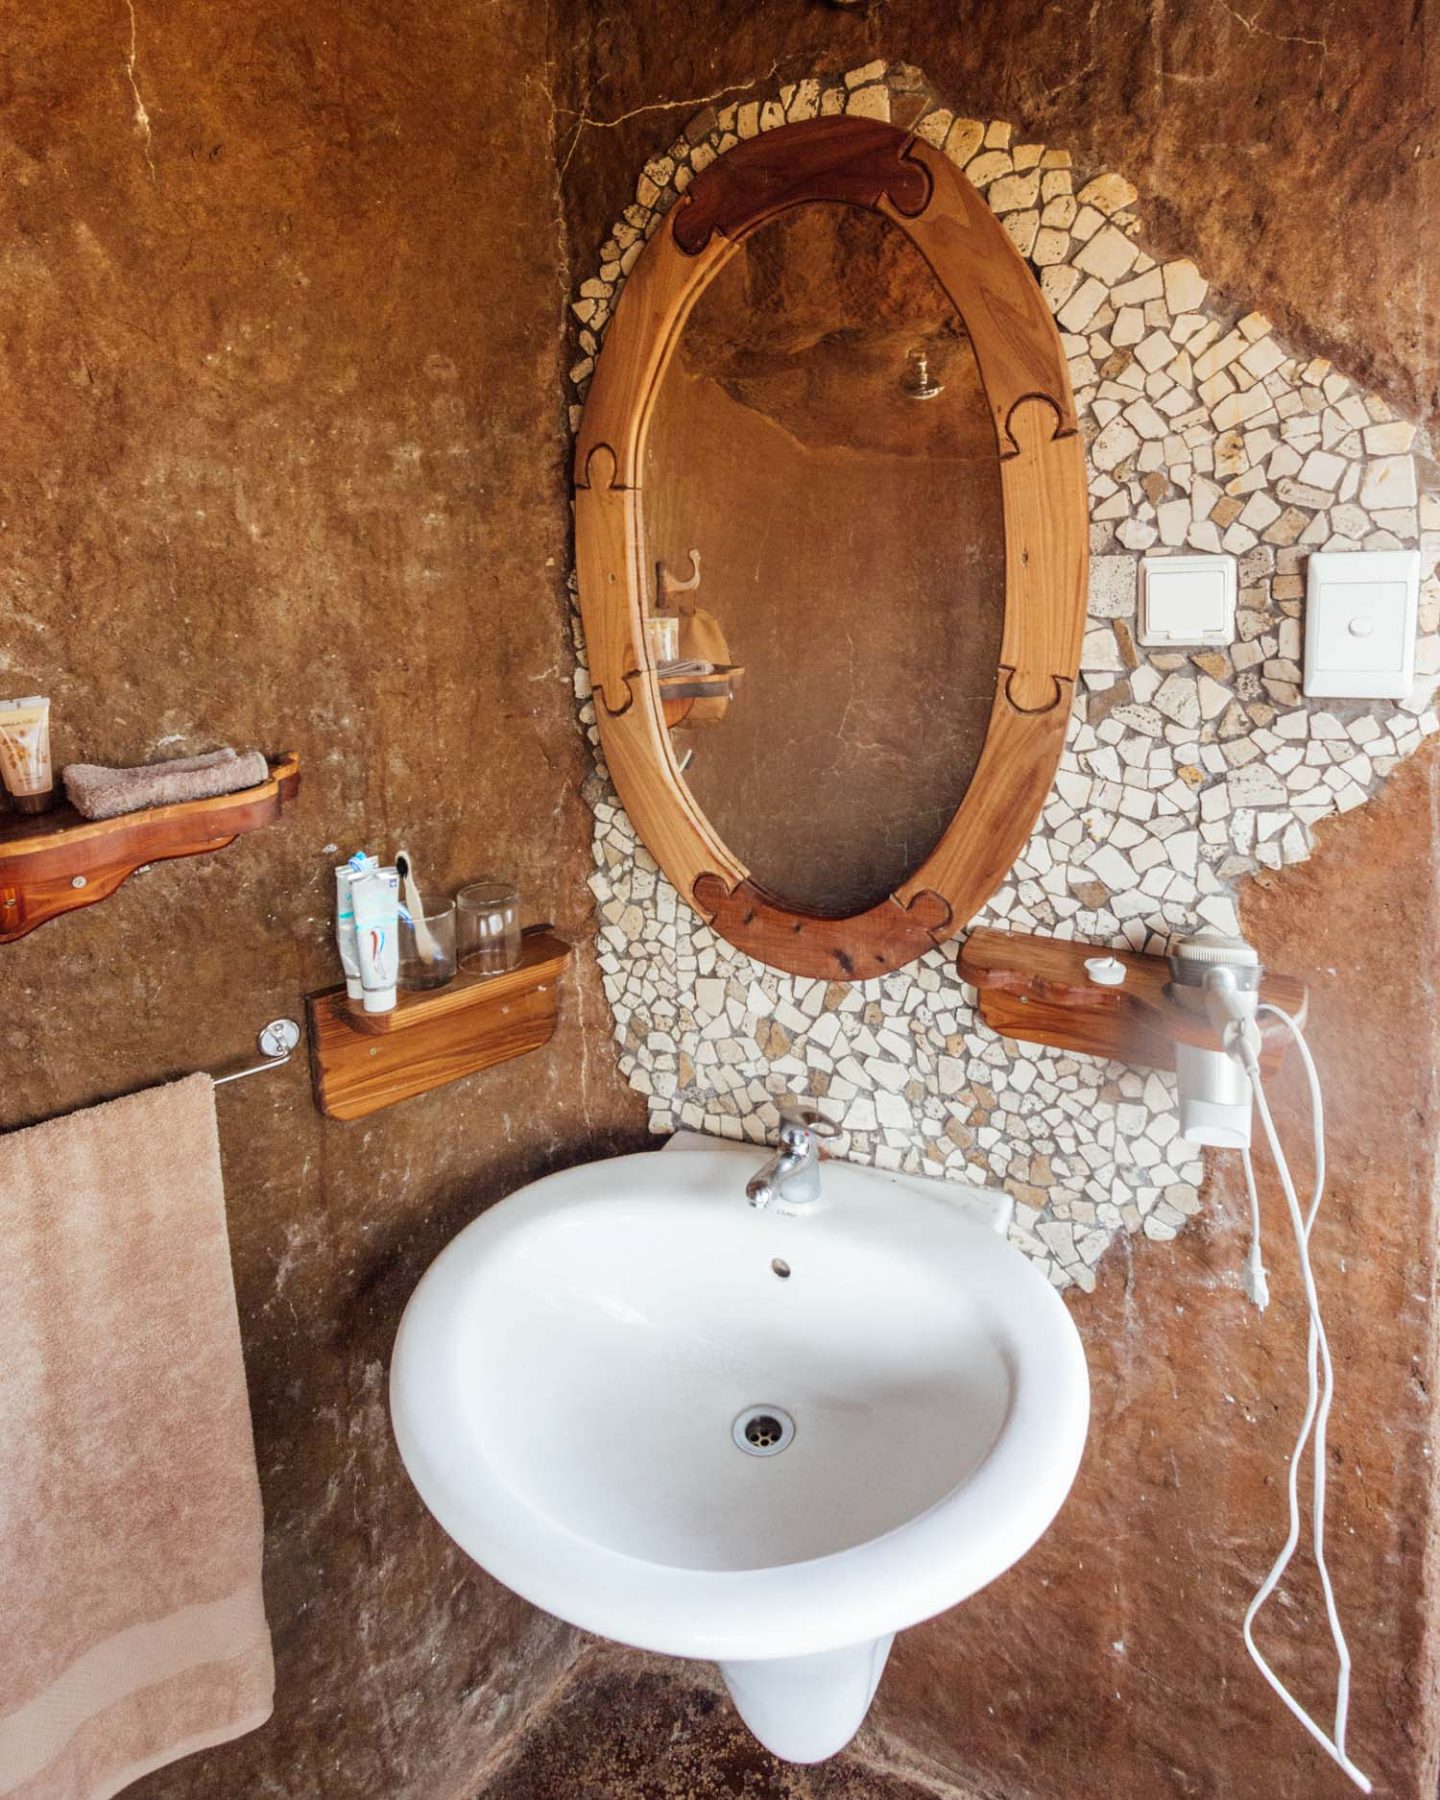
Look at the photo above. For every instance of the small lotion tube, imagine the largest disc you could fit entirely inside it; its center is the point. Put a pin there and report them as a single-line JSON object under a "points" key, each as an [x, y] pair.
{"points": [[375, 895], [345, 940], [25, 753]]}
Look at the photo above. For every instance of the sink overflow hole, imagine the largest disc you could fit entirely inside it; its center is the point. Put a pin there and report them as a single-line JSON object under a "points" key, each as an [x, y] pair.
{"points": [[763, 1430], [781, 1268]]}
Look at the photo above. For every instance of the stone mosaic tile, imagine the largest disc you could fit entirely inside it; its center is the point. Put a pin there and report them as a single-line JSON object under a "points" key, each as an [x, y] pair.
{"points": [[1183, 772]]}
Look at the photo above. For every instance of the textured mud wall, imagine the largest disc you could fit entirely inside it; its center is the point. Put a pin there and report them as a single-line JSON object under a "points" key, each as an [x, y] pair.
{"points": [[282, 468], [281, 290], [1289, 147]]}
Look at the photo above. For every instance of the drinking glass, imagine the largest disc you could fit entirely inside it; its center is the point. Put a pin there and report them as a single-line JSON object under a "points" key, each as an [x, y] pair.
{"points": [[489, 926], [420, 971], [662, 631]]}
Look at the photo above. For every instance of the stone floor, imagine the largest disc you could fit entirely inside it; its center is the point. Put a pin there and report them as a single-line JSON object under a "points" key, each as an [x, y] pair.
{"points": [[623, 1733]]}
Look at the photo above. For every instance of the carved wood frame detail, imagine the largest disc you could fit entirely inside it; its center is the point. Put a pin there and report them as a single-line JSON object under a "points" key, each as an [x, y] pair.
{"points": [[860, 162]]}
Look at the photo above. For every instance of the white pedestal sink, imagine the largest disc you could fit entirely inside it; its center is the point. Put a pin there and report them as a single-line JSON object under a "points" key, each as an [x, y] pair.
{"points": [[765, 1440]]}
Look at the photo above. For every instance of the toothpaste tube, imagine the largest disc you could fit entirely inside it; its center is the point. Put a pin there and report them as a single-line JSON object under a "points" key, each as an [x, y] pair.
{"points": [[375, 896], [359, 864]]}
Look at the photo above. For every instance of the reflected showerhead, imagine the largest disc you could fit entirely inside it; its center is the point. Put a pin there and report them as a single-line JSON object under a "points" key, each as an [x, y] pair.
{"points": [[917, 381]]}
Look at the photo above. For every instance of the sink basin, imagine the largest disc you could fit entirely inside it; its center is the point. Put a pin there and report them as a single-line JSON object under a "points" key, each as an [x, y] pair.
{"points": [[763, 1439]]}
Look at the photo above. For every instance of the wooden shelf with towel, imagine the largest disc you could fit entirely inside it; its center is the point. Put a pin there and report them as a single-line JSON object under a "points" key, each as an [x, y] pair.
{"points": [[54, 862], [362, 1061], [1037, 989]]}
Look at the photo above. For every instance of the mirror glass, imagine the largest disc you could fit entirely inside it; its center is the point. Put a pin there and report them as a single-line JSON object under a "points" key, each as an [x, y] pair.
{"points": [[828, 679]]}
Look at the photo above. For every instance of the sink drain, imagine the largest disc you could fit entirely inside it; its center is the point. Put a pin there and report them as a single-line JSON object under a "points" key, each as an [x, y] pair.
{"points": [[763, 1430]]}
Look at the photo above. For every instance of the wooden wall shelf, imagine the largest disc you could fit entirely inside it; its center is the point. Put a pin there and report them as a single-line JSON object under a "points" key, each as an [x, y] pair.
{"points": [[698, 699], [1036, 989], [54, 862], [360, 1062]]}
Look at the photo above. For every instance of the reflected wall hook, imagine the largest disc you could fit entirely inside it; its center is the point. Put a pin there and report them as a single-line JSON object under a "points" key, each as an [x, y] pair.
{"points": [[668, 587]]}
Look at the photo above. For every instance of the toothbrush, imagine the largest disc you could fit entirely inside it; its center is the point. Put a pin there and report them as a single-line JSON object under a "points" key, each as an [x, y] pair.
{"points": [[424, 943]]}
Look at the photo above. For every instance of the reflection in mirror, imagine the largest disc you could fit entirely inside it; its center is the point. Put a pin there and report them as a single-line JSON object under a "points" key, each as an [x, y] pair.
{"points": [[821, 439]]}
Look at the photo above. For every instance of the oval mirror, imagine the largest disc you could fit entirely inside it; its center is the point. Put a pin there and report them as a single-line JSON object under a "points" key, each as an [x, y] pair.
{"points": [[820, 446], [830, 528]]}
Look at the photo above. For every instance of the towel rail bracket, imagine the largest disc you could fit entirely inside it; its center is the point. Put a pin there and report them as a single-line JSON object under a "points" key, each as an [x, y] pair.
{"points": [[277, 1041]]}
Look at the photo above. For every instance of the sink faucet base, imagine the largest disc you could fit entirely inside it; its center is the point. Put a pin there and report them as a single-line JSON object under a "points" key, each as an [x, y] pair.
{"points": [[791, 1178]]}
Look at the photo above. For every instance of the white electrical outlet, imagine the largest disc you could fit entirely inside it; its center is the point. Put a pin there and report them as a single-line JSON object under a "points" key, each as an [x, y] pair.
{"points": [[1360, 615], [1187, 600]]}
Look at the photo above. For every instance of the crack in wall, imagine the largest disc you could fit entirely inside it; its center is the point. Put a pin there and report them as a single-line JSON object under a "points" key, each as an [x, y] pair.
{"points": [[583, 120], [1254, 28], [141, 114]]}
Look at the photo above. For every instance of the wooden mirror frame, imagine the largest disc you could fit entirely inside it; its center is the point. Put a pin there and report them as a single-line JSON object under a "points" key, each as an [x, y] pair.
{"points": [[859, 162]]}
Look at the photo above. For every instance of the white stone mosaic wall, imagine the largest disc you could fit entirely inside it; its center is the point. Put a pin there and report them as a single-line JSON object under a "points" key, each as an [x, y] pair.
{"points": [[1182, 773]]}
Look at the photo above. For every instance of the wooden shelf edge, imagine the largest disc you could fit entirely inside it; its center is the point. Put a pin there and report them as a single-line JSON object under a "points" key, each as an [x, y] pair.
{"points": [[362, 1062], [542, 953], [681, 694], [58, 862], [1036, 989]]}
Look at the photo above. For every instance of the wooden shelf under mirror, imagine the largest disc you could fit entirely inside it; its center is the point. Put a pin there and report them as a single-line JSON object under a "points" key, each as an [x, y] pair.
{"points": [[54, 862], [1037, 989], [360, 1062], [697, 687]]}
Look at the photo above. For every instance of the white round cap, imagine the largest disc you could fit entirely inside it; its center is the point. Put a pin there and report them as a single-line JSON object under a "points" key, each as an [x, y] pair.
{"points": [[1216, 947]]}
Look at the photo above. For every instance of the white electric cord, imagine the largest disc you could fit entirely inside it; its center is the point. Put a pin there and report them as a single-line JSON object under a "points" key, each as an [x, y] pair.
{"points": [[1321, 1384], [1257, 1288]]}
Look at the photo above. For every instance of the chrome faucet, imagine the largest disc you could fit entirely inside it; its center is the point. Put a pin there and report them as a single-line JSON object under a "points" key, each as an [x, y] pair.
{"points": [[792, 1174]]}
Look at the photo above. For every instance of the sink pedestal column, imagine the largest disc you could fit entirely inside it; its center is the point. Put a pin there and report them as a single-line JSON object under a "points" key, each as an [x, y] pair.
{"points": [[805, 1708]]}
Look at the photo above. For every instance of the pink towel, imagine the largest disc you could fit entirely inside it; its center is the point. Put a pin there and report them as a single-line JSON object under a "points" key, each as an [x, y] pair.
{"points": [[130, 1527], [98, 792]]}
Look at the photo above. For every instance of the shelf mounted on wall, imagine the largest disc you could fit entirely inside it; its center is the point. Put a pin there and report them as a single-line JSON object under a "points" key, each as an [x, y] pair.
{"points": [[1037, 989], [54, 862], [363, 1061]]}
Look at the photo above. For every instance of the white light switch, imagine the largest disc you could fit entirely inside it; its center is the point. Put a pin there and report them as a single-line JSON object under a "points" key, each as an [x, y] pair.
{"points": [[1187, 600], [1360, 612]]}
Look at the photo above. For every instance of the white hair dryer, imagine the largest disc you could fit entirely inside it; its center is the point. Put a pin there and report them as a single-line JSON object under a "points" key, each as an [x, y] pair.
{"points": [[1216, 978]]}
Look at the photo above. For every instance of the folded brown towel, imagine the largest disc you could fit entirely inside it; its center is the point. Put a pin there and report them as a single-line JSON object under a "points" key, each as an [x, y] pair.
{"points": [[130, 1535], [100, 793]]}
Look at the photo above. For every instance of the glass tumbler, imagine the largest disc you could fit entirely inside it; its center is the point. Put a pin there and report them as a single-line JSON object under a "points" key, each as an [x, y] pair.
{"points": [[489, 923], [418, 970], [662, 631]]}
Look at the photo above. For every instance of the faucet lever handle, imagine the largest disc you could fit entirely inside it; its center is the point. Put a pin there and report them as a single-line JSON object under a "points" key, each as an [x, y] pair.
{"points": [[799, 1119]]}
